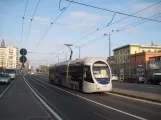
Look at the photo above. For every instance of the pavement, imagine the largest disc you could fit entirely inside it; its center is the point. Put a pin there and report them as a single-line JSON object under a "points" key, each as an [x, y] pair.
{"points": [[18, 103], [146, 88], [140, 91], [33, 98], [73, 105]]}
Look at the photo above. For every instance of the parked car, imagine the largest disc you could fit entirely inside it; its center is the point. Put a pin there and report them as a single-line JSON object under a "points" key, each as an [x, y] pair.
{"points": [[11, 72], [135, 79], [114, 77], [4, 78]]}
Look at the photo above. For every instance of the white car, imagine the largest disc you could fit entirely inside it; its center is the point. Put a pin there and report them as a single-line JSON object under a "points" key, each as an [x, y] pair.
{"points": [[114, 77], [11, 72], [4, 78]]}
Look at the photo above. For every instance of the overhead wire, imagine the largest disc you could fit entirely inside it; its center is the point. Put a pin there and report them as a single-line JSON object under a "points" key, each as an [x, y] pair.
{"points": [[120, 29], [87, 5], [135, 22], [31, 22], [40, 53], [99, 29], [51, 25], [111, 23], [49, 22], [23, 22]]}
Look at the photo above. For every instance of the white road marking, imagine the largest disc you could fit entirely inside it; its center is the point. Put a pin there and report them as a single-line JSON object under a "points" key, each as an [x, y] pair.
{"points": [[147, 87], [56, 115], [140, 118], [6, 89], [101, 115]]}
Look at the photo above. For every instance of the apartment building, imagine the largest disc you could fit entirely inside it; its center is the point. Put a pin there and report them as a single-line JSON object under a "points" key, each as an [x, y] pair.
{"points": [[8, 56], [125, 62], [122, 54]]}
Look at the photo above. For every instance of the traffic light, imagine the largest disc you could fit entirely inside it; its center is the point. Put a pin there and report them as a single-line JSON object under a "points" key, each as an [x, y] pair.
{"points": [[23, 58]]}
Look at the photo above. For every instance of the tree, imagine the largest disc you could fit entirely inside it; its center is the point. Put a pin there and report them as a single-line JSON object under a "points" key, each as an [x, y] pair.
{"points": [[1, 69], [44, 68], [37, 70]]}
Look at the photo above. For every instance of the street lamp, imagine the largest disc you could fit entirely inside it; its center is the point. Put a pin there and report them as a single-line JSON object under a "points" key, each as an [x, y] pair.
{"points": [[109, 45], [79, 50], [69, 46]]}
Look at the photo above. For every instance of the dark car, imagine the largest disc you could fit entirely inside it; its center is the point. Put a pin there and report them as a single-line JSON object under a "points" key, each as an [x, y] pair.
{"points": [[135, 79]]}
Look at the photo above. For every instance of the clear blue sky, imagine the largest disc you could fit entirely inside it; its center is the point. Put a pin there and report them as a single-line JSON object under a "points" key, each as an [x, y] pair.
{"points": [[86, 19]]}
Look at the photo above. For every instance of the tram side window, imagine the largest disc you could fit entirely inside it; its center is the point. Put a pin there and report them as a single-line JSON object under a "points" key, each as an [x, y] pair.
{"points": [[76, 73], [61, 70], [88, 76]]}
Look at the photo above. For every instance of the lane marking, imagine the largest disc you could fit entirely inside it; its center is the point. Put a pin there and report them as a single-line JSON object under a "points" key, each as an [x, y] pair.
{"points": [[55, 114], [101, 115], [6, 89], [43, 77], [61, 96], [129, 114], [147, 87], [44, 97]]}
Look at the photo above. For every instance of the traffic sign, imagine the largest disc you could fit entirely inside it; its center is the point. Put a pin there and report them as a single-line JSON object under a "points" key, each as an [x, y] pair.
{"points": [[23, 59], [23, 51]]}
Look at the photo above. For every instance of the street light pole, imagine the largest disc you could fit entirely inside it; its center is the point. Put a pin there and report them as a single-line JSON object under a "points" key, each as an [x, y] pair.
{"points": [[58, 57], [109, 48]]}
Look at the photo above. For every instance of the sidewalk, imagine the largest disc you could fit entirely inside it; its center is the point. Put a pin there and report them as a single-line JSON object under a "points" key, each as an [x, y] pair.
{"points": [[137, 94], [18, 103]]}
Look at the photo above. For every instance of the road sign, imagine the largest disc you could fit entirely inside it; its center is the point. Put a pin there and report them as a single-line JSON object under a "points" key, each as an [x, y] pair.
{"points": [[23, 51], [23, 59]]}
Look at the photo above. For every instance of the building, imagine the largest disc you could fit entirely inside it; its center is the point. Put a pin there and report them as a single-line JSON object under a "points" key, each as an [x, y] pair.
{"points": [[122, 54], [122, 57], [155, 62], [140, 62], [8, 56]]}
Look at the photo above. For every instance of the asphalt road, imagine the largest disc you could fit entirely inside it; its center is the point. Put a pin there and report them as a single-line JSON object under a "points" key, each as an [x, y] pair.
{"points": [[73, 105], [3, 87], [156, 89], [18, 103]]}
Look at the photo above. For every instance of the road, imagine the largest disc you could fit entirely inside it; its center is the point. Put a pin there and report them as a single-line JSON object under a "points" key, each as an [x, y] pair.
{"points": [[156, 89], [3, 87], [72, 105]]}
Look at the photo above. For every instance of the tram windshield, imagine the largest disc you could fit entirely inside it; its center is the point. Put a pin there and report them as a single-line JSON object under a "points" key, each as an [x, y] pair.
{"points": [[101, 70]]}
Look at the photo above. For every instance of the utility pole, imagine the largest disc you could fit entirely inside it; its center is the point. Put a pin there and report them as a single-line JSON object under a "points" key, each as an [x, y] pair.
{"points": [[109, 48], [58, 57]]}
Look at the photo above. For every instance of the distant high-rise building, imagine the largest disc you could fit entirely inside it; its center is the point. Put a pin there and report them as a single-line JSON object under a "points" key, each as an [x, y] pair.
{"points": [[8, 56], [3, 44]]}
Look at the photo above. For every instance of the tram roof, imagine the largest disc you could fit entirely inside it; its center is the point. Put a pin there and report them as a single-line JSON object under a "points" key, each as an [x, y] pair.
{"points": [[86, 60]]}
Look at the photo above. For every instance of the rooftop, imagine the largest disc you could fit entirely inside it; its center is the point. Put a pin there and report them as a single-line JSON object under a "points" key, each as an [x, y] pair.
{"points": [[138, 45]]}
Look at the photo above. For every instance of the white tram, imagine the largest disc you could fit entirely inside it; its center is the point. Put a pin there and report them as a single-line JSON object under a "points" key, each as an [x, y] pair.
{"points": [[87, 75]]}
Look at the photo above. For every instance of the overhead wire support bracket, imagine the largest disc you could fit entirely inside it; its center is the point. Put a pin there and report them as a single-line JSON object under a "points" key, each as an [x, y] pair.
{"points": [[59, 6], [111, 19]]}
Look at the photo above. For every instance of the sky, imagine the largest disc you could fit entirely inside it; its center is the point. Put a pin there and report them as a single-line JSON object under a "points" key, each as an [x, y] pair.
{"points": [[74, 23]]}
